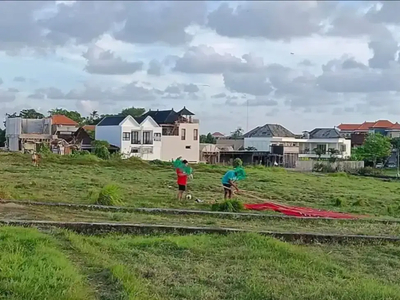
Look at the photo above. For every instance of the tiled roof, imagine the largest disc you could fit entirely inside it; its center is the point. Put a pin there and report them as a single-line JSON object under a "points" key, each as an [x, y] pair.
{"points": [[163, 116], [111, 121], [217, 134], [62, 120], [325, 133], [348, 126], [382, 124], [269, 130], [366, 125], [395, 126]]}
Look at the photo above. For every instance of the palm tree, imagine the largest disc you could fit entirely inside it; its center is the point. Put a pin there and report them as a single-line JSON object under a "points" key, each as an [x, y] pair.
{"points": [[319, 152]]}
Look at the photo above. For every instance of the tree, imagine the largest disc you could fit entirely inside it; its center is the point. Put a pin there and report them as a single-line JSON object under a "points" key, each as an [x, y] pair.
{"points": [[395, 142], [358, 153], [333, 154], [30, 114], [376, 147], [319, 152], [207, 139], [73, 115], [237, 133], [132, 111]]}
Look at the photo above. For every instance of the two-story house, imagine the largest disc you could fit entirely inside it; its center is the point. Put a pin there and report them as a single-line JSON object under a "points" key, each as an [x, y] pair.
{"points": [[139, 136], [180, 134]]}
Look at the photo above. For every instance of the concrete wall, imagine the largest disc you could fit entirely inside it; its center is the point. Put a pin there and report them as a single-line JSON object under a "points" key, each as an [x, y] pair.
{"points": [[173, 146], [308, 165]]}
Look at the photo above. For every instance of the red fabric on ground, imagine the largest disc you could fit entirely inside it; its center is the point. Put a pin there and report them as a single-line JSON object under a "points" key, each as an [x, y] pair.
{"points": [[299, 211]]}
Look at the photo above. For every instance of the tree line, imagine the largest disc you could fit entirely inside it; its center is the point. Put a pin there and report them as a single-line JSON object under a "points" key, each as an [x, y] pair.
{"points": [[92, 119]]}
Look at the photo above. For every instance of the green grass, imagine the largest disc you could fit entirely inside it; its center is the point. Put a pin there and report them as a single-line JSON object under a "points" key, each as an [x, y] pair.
{"points": [[18, 212], [65, 179], [64, 265], [32, 267]]}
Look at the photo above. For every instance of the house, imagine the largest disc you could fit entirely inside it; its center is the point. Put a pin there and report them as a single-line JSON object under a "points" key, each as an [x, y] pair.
{"points": [[180, 134], [63, 126], [275, 139], [26, 135], [358, 132], [217, 135], [324, 139], [139, 137]]}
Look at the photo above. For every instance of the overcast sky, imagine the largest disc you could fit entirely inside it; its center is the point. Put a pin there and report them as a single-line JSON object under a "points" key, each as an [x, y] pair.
{"points": [[300, 64]]}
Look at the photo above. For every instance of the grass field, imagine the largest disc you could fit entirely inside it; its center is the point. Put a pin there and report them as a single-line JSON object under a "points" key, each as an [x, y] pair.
{"points": [[57, 264], [239, 266], [64, 179]]}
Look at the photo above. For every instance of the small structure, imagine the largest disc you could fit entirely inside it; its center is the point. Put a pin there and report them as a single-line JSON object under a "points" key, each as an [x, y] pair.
{"points": [[217, 135], [225, 143], [26, 135], [209, 153]]}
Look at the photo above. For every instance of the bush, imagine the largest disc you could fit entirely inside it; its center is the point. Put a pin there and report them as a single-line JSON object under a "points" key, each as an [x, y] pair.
{"points": [[110, 195], [102, 152], [324, 168], [370, 171], [228, 206], [340, 202]]}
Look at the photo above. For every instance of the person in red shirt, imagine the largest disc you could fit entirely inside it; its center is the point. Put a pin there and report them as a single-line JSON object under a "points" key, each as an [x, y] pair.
{"points": [[182, 180]]}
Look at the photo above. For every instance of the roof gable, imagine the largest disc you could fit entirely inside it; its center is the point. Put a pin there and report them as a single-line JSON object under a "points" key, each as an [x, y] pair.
{"points": [[163, 116], [348, 126], [325, 133], [129, 121], [185, 112], [382, 124], [269, 130]]}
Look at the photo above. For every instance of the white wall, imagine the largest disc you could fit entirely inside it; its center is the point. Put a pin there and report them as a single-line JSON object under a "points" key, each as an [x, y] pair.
{"points": [[111, 134], [174, 146]]}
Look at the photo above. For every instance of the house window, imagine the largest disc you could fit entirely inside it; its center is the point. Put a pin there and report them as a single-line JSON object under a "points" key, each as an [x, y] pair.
{"points": [[157, 137], [147, 139], [195, 134], [183, 134], [188, 147], [135, 150], [126, 136], [343, 148], [135, 137]]}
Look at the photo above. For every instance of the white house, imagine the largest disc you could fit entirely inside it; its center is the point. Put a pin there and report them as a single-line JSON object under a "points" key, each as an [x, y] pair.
{"points": [[263, 138], [180, 134], [139, 136]]}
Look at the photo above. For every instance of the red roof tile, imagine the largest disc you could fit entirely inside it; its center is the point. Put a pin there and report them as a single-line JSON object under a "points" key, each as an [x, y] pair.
{"points": [[366, 125], [348, 126], [217, 134], [395, 126], [382, 124], [62, 120]]}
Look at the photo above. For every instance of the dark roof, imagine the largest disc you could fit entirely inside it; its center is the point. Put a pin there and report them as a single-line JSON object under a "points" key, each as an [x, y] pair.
{"points": [[269, 130], [140, 119], [325, 133], [185, 112], [163, 116], [111, 121]]}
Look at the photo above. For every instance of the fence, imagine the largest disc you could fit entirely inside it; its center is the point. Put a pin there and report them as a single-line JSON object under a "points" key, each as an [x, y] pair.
{"points": [[342, 166]]}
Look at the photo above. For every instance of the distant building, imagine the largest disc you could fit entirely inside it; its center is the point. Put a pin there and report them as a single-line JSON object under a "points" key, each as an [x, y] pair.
{"points": [[217, 135]]}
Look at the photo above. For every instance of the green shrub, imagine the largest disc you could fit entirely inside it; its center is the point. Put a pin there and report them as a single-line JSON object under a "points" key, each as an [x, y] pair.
{"points": [[324, 168], [102, 152], [110, 195], [228, 206], [340, 202], [370, 171]]}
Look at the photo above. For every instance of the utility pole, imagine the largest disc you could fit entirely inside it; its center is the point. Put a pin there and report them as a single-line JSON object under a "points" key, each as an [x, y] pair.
{"points": [[247, 119]]}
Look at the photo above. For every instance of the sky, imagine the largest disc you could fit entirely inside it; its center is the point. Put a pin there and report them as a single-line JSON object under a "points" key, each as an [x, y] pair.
{"points": [[234, 64]]}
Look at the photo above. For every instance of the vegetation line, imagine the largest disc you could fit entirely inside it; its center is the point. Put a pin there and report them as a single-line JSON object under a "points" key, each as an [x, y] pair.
{"points": [[96, 228], [173, 211]]}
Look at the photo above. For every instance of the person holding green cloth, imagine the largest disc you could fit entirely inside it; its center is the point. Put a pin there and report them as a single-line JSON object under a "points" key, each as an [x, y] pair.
{"points": [[229, 181]]}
